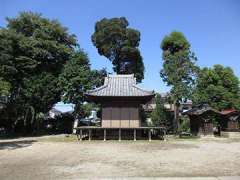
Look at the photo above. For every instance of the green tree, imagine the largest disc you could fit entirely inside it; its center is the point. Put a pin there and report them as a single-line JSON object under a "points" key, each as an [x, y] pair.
{"points": [[77, 78], [33, 51], [219, 87], [4, 87], [179, 69], [159, 114], [119, 44]]}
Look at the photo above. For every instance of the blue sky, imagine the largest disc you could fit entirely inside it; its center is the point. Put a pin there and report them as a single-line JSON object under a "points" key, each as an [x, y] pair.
{"points": [[211, 26]]}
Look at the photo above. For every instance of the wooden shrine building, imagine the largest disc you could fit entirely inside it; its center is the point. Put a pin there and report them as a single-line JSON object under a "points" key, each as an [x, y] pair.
{"points": [[121, 101], [229, 120], [201, 119]]}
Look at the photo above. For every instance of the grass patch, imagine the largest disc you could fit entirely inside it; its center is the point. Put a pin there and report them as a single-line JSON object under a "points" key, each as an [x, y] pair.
{"points": [[73, 138], [183, 138], [61, 138]]}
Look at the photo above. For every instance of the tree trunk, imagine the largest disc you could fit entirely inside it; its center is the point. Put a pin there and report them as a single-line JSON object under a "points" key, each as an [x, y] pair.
{"points": [[77, 115], [176, 117], [118, 68], [117, 63]]}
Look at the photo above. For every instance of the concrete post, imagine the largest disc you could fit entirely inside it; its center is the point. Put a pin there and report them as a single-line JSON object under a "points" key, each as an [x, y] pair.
{"points": [[104, 134], [165, 136], [149, 135], [119, 135], [80, 134], [89, 134], [134, 134]]}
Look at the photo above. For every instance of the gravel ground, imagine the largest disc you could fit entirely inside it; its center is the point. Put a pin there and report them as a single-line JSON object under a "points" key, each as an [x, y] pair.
{"points": [[41, 158]]}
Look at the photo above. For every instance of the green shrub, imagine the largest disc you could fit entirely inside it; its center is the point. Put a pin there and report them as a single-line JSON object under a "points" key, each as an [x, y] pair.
{"points": [[184, 124]]}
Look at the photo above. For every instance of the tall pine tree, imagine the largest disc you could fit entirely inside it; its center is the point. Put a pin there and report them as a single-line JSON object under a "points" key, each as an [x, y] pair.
{"points": [[119, 43], [179, 69]]}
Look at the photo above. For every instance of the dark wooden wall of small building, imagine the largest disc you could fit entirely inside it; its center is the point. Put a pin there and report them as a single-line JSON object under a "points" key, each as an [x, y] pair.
{"points": [[199, 126], [120, 114], [229, 124], [232, 125]]}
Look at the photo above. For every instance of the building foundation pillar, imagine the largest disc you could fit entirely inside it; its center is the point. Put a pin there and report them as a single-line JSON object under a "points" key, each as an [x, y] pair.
{"points": [[80, 138], [134, 135], [149, 135], [104, 134], [119, 135]]}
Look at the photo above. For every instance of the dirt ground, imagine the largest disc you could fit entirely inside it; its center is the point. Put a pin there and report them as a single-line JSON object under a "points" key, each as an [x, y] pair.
{"points": [[41, 158]]}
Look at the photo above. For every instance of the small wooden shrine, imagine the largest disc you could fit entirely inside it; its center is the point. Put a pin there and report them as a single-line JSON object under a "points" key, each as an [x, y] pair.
{"points": [[201, 119], [229, 120], [121, 100]]}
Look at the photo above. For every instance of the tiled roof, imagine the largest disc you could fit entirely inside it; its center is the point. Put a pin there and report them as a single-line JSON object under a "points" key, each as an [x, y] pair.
{"points": [[119, 85], [200, 109], [228, 111]]}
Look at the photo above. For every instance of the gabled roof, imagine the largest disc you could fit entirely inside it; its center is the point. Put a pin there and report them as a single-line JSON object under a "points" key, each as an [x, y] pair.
{"points": [[230, 114], [229, 111], [200, 109], [119, 86]]}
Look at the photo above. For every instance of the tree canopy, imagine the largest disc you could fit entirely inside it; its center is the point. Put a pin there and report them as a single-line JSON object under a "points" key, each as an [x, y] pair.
{"points": [[33, 54], [179, 69], [4, 87], [159, 115], [217, 86], [119, 44], [77, 78]]}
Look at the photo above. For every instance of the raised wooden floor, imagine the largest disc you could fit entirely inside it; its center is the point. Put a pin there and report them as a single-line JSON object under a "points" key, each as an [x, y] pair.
{"points": [[89, 129]]}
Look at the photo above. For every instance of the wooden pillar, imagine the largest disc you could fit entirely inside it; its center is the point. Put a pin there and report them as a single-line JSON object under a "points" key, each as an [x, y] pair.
{"points": [[104, 134], [80, 134], [149, 135], [119, 135], [134, 134], [89, 134], [164, 135]]}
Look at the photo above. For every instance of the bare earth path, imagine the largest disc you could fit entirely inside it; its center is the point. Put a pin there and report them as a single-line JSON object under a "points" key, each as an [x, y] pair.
{"points": [[35, 158]]}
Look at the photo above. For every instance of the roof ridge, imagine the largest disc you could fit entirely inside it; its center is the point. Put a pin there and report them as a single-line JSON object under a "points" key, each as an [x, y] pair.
{"points": [[120, 75], [96, 89], [120, 85], [134, 85]]}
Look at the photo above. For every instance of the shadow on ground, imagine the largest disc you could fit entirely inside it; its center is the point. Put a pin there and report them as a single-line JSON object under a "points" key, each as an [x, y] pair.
{"points": [[12, 145]]}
